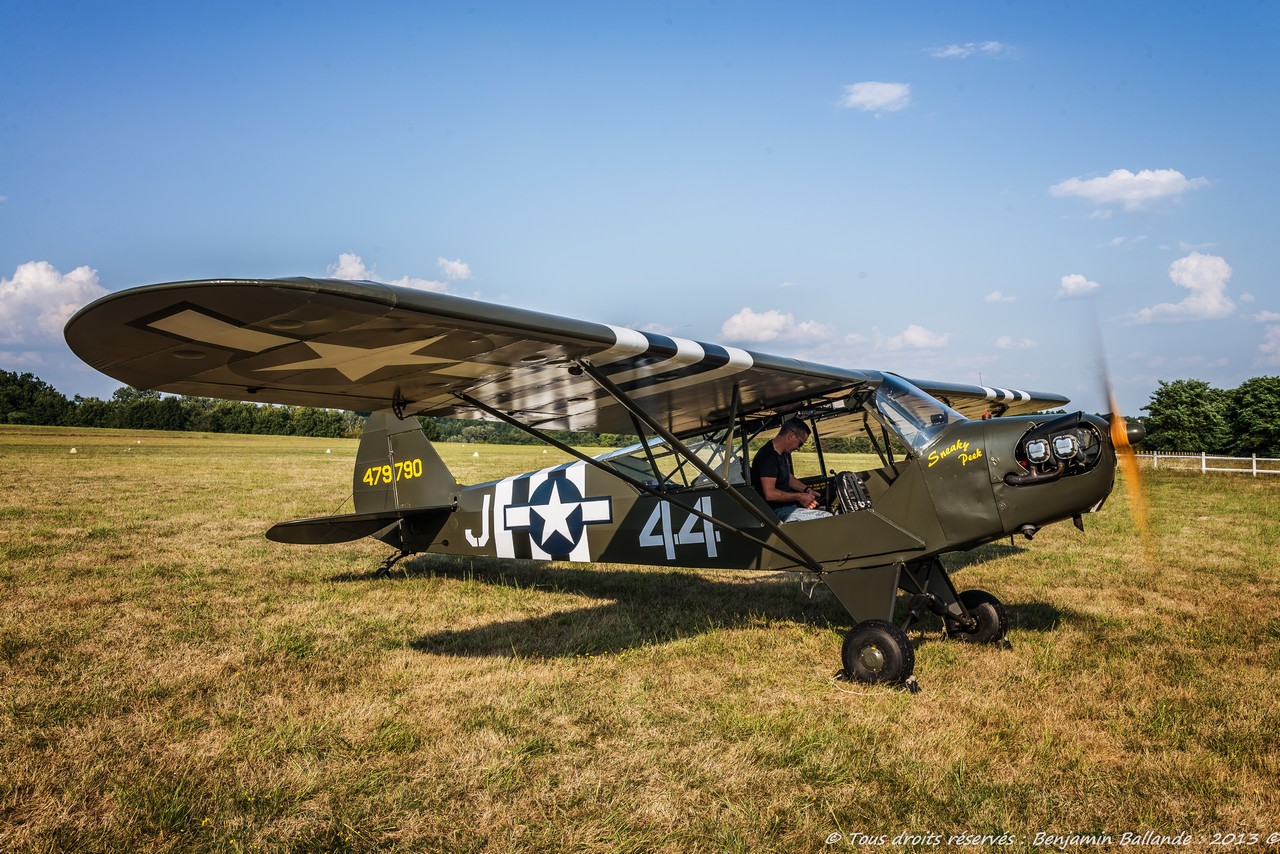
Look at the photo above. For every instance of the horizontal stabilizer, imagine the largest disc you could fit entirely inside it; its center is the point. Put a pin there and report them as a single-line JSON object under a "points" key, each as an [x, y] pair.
{"points": [[325, 530]]}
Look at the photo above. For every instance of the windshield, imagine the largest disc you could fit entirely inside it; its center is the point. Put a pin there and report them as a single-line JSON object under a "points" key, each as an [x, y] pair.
{"points": [[914, 415]]}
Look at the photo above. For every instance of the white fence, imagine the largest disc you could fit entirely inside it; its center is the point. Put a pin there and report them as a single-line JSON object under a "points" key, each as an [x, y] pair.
{"points": [[1203, 463]]}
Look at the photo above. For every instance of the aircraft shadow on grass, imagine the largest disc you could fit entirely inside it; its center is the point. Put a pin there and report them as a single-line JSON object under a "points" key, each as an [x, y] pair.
{"points": [[641, 608]]}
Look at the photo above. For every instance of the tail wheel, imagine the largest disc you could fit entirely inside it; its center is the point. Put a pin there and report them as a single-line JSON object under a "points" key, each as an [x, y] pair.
{"points": [[877, 651], [989, 620]]}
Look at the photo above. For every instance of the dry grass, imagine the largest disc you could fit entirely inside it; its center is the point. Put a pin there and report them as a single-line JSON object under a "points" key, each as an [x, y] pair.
{"points": [[173, 681]]}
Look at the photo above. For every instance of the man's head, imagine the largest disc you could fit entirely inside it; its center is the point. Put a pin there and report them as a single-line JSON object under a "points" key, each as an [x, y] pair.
{"points": [[792, 435]]}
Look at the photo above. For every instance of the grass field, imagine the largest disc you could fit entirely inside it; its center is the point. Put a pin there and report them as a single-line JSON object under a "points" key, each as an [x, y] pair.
{"points": [[169, 680]]}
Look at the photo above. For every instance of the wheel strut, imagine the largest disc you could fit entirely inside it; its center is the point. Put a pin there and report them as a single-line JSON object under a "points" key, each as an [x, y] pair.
{"points": [[987, 621], [384, 571]]}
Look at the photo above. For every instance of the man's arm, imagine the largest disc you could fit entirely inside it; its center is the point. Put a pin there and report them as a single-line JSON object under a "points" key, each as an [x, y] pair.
{"points": [[798, 485], [795, 492]]}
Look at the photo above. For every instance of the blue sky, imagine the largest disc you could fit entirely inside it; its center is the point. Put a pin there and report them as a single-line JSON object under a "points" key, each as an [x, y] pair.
{"points": [[952, 191]]}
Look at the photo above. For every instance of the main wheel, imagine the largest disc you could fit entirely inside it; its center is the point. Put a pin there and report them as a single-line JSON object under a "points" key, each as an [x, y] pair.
{"points": [[877, 651], [990, 622]]}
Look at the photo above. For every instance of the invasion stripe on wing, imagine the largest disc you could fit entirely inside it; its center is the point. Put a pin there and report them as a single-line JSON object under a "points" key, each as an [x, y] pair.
{"points": [[713, 357], [627, 344], [641, 363], [717, 362], [1006, 394], [686, 353], [634, 356], [734, 361]]}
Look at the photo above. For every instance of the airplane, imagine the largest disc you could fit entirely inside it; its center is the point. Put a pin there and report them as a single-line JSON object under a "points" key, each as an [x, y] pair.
{"points": [[958, 465]]}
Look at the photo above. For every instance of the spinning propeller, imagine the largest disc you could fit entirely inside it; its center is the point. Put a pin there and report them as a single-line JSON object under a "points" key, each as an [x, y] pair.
{"points": [[1124, 435]]}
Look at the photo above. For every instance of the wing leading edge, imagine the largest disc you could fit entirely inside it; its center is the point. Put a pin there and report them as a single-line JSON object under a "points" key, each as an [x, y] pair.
{"points": [[368, 346]]}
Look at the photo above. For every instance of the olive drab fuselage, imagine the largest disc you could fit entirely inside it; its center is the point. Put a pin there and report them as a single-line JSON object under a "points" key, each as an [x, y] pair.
{"points": [[952, 496]]}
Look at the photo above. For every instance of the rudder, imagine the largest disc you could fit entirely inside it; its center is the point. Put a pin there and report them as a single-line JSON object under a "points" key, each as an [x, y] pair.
{"points": [[397, 468]]}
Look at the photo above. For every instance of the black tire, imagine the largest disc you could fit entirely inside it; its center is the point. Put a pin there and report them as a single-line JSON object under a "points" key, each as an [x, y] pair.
{"points": [[878, 652], [992, 623]]}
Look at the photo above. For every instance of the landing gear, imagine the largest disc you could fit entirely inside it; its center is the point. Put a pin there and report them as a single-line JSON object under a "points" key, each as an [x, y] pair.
{"points": [[384, 571], [878, 652], [988, 622]]}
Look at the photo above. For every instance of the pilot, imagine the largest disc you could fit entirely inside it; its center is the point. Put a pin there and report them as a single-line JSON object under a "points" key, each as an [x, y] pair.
{"points": [[773, 477]]}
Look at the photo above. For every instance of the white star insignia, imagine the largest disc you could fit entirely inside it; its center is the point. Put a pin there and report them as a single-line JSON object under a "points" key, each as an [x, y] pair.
{"points": [[356, 363], [555, 516]]}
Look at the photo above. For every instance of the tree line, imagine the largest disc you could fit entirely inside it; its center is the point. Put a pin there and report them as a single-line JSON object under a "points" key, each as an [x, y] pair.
{"points": [[26, 399], [1182, 415], [1191, 416]]}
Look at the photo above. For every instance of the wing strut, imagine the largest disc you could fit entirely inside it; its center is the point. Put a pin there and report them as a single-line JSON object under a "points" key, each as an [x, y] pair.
{"points": [[770, 522], [728, 433], [643, 487], [648, 453], [817, 443]]}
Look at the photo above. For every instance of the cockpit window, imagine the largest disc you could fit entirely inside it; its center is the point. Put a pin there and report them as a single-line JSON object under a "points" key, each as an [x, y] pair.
{"points": [[913, 414], [673, 470]]}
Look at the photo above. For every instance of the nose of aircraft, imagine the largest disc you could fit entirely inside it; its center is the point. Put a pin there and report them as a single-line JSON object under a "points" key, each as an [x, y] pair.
{"points": [[1135, 432]]}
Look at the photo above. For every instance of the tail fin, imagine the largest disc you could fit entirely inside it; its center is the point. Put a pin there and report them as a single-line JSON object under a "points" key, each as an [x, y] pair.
{"points": [[397, 468]]}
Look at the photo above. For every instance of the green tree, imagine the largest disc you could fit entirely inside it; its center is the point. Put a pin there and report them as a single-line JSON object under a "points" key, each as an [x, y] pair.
{"points": [[273, 420], [1255, 417], [27, 399], [310, 421], [91, 412], [127, 394], [1190, 416], [231, 416]]}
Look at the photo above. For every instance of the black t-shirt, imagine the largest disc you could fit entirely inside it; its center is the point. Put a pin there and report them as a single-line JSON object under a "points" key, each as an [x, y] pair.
{"points": [[770, 463]]}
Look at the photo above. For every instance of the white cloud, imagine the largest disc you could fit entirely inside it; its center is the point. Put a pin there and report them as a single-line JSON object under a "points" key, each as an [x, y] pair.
{"points": [[872, 97], [835, 350], [753, 327], [351, 266], [1267, 317], [1001, 296], [1132, 192], [38, 301], [916, 337], [1206, 276], [968, 49], [456, 270], [1075, 286], [1125, 241], [24, 359], [1008, 342], [1269, 349]]}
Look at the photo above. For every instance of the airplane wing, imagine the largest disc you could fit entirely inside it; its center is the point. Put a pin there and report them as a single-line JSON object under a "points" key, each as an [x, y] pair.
{"points": [[367, 346], [975, 401]]}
